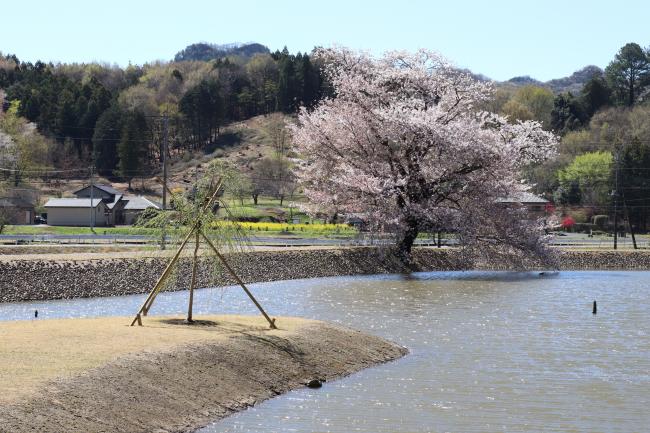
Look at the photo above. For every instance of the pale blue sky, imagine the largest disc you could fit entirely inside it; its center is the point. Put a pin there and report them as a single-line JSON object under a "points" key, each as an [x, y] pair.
{"points": [[501, 39]]}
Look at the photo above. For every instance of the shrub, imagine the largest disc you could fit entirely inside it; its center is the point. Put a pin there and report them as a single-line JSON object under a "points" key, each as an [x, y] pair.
{"points": [[245, 219], [3, 220], [146, 216], [568, 222], [579, 216], [155, 219]]}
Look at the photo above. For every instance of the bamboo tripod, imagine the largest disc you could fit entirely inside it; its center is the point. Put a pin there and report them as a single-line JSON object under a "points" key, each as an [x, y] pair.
{"points": [[198, 233]]}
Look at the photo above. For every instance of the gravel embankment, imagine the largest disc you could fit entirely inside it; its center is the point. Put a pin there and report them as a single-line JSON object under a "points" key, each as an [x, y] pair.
{"points": [[24, 280]]}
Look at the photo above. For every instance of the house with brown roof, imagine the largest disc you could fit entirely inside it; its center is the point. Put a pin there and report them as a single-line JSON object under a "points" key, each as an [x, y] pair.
{"points": [[16, 210], [535, 205]]}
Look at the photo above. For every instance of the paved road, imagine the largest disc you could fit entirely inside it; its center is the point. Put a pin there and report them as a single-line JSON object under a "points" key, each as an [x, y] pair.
{"points": [[568, 240]]}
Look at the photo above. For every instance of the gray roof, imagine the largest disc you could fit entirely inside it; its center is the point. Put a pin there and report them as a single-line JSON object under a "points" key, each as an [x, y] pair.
{"points": [[72, 202], [139, 203], [105, 188], [14, 202], [112, 204], [523, 197]]}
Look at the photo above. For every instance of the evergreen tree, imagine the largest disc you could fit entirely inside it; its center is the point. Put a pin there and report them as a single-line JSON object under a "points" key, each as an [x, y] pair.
{"points": [[628, 73], [66, 117], [107, 134], [567, 114], [132, 145], [311, 82], [634, 181], [203, 108], [595, 95], [287, 88]]}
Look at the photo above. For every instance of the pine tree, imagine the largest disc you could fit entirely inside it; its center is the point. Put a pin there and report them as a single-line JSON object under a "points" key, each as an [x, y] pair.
{"points": [[106, 136], [131, 148]]}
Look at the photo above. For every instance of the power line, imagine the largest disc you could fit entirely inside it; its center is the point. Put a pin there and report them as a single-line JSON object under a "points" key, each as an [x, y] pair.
{"points": [[14, 170]]}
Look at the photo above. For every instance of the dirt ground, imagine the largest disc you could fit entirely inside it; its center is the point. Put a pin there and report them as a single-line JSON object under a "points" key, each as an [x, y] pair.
{"points": [[101, 375], [35, 351], [89, 254]]}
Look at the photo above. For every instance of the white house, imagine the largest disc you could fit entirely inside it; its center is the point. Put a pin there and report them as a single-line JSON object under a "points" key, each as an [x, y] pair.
{"points": [[77, 212], [111, 197], [110, 207]]}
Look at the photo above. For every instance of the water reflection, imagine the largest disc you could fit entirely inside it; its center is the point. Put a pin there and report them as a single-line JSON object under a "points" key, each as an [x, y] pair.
{"points": [[490, 351]]}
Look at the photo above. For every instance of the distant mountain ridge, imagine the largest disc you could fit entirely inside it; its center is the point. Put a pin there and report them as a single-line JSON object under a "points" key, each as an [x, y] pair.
{"points": [[573, 83], [204, 51]]}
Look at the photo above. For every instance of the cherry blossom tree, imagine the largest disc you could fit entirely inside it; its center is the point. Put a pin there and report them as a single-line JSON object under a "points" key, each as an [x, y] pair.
{"points": [[403, 143]]}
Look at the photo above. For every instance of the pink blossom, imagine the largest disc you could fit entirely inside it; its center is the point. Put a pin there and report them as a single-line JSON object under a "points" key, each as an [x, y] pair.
{"points": [[403, 143]]}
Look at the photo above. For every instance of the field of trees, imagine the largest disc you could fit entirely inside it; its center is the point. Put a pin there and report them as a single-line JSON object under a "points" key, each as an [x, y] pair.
{"points": [[114, 118], [58, 120]]}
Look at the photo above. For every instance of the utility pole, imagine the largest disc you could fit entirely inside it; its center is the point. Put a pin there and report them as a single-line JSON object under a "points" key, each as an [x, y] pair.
{"points": [[164, 191], [626, 213], [165, 147], [92, 196], [629, 224], [615, 194]]}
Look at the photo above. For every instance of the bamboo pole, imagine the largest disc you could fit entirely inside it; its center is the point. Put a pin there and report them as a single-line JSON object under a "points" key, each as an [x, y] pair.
{"points": [[239, 281], [166, 272], [193, 282], [144, 309], [197, 223]]}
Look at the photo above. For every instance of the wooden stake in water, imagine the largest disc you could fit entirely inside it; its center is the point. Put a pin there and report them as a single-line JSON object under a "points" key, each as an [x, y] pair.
{"points": [[595, 310]]}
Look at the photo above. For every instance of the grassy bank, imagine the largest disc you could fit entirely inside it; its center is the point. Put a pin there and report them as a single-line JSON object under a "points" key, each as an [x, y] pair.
{"points": [[61, 230], [101, 375], [34, 352], [250, 228]]}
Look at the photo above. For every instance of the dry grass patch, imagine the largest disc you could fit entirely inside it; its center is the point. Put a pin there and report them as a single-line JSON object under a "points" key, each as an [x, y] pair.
{"points": [[34, 352]]}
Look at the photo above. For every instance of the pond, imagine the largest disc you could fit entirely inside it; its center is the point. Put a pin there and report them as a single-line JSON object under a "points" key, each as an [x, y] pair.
{"points": [[489, 351]]}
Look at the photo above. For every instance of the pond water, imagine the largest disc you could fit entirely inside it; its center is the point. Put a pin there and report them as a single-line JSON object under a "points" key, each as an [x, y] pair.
{"points": [[489, 351]]}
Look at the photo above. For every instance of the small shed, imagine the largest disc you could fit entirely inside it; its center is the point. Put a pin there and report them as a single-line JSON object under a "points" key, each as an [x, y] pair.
{"points": [[135, 205], [535, 205], [17, 210], [77, 212]]}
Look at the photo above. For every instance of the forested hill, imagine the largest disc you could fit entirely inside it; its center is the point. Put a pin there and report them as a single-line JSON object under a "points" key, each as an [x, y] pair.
{"points": [[204, 51], [112, 118], [573, 83]]}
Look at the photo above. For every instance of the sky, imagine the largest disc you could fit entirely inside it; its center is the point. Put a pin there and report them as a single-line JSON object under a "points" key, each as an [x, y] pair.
{"points": [[500, 39]]}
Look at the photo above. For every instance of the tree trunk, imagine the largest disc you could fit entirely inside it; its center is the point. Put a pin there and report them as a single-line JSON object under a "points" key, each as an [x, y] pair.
{"points": [[631, 93], [407, 238]]}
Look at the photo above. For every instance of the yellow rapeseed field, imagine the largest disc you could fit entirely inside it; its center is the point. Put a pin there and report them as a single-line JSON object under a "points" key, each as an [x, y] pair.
{"points": [[317, 228]]}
